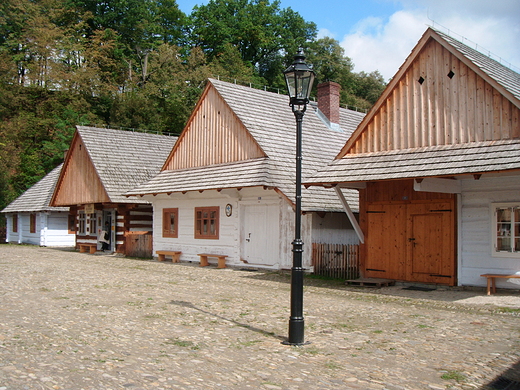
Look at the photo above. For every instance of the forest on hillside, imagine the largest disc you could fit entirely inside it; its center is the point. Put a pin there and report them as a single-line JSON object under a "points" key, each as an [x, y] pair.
{"points": [[140, 64]]}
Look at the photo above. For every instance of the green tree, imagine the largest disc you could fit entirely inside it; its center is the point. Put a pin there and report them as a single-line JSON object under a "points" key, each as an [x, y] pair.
{"points": [[140, 26], [262, 32], [328, 58]]}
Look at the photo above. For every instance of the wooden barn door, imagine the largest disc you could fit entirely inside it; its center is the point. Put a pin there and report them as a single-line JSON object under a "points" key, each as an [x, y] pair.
{"points": [[411, 242], [385, 240], [431, 243]]}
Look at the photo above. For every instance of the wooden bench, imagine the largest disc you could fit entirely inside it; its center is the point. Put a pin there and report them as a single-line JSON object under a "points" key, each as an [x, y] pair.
{"points": [[92, 248], [491, 284], [174, 254], [204, 259]]}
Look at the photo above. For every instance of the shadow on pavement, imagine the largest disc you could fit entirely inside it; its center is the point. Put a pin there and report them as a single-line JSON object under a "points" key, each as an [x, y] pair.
{"points": [[254, 329], [509, 299], [508, 380]]}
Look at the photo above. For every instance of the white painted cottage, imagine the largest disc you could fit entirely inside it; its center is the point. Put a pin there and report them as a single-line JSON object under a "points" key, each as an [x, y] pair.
{"points": [[437, 165], [30, 219], [228, 185]]}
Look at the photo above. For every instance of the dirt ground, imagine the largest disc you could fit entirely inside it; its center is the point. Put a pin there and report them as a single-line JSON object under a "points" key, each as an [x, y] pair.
{"points": [[74, 321]]}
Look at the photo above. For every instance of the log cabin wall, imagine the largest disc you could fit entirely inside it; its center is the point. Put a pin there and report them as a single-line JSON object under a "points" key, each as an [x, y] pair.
{"points": [[439, 101], [129, 218], [214, 135], [87, 224]]}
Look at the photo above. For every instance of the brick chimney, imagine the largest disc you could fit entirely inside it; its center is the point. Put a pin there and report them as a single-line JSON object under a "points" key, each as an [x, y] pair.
{"points": [[328, 100]]}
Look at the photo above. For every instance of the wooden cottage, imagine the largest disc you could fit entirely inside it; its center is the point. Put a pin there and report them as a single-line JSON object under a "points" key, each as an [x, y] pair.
{"points": [[100, 166], [436, 162], [30, 219], [228, 185]]}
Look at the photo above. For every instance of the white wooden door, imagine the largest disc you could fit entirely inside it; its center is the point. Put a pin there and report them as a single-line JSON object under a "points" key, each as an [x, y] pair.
{"points": [[260, 234]]}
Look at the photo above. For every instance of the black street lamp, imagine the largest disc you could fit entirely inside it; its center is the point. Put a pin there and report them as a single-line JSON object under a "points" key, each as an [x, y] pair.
{"points": [[299, 79]]}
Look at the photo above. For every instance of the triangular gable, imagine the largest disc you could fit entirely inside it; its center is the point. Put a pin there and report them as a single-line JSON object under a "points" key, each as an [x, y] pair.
{"points": [[79, 182], [438, 97], [213, 135]]}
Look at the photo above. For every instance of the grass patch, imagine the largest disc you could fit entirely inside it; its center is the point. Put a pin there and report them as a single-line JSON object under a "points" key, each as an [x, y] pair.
{"points": [[182, 343], [454, 375], [332, 365], [508, 310], [422, 326]]}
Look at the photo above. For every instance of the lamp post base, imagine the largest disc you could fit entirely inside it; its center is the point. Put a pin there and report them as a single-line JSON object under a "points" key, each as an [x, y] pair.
{"points": [[296, 332]]}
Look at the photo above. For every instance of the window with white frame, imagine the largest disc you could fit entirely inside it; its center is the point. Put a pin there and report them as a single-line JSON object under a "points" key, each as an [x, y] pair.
{"points": [[82, 222], [506, 228]]}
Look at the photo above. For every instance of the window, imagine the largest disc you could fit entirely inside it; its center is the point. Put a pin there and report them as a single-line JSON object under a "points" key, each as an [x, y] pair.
{"points": [[15, 223], [81, 223], [33, 223], [507, 228], [92, 224], [207, 222], [170, 223]]}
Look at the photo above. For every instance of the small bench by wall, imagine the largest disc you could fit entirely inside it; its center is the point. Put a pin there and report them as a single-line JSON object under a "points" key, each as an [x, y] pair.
{"points": [[92, 248], [491, 283], [204, 259], [175, 255]]}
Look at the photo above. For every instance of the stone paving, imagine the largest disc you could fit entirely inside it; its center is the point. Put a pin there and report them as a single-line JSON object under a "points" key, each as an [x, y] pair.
{"points": [[76, 321]]}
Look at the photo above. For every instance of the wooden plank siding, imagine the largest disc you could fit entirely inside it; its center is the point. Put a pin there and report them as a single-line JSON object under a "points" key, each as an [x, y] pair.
{"points": [[79, 182], [214, 135], [409, 235], [442, 110]]}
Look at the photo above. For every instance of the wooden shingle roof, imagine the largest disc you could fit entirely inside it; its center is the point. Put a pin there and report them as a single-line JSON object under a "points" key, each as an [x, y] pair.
{"points": [[435, 161], [502, 75], [125, 159], [269, 119], [102, 164], [37, 197]]}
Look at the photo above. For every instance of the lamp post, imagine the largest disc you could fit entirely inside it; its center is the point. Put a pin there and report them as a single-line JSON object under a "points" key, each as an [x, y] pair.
{"points": [[299, 79]]}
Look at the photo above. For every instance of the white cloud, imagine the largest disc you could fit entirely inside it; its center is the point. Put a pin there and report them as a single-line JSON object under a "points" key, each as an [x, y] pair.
{"points": [[323, 32], [383, 46], [377, 44]]}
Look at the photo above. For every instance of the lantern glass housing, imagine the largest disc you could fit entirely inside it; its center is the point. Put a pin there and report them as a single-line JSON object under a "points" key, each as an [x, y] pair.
{"points": [[299, 79]]}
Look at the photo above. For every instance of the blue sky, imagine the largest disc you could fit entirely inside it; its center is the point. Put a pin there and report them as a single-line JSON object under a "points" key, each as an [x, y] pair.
{"points": [[379, 34]]}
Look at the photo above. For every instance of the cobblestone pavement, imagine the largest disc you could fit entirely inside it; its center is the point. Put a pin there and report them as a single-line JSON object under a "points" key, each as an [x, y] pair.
{"points": [[74, 321]]}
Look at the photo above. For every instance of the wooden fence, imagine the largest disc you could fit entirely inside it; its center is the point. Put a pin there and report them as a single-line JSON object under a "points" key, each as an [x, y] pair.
{"points": [[138, 244], [336, 260]]}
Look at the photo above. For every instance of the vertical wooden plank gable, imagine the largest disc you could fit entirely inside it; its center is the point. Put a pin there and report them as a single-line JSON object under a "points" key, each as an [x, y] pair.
{"points": [[79, 182], [213, 135], [437, 100]]}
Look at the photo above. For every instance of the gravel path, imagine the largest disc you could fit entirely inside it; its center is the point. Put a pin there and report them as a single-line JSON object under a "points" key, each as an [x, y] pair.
{"points": [[74, 321]]}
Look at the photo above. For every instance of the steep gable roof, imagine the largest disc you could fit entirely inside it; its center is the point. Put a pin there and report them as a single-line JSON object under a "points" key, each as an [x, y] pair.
{"points": [[37, 198], [103, 164], [267, 118], [442, 78], [448, 111], [214, 135]]}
